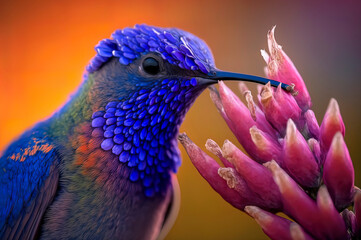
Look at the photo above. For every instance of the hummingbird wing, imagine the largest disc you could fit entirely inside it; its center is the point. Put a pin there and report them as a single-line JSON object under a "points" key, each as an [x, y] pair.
{"points": [[28, 182], [173, 210]]}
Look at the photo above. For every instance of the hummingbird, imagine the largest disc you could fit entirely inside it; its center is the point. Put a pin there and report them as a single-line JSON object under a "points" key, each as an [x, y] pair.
{"points": [[104, 165]]}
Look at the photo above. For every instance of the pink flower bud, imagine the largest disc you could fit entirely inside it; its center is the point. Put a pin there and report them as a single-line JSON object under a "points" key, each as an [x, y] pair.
{"points": [[214, 94], [296, 202], [281, 68], [297, 233], [331, 124], [298, 159], [338, 173], [234, 180], [316, 150], [208, 168], [332, 223], [249, 99], [350, 220], [272, 225], [256, 112], [278, 107], [254, 141], [213, 147], [288, 103], [311, 124], [258, 178], [264, 147]]}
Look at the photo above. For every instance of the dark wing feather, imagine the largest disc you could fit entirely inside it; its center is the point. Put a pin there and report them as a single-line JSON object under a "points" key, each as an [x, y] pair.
{"points": [[28, 183]]}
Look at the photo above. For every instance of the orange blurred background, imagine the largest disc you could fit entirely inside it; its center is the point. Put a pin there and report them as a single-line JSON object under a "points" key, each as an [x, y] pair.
{"points": [[45, 46]]}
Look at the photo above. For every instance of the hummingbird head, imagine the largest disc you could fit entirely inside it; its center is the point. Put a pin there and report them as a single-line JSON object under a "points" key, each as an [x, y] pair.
{"points": [[147, 79]]}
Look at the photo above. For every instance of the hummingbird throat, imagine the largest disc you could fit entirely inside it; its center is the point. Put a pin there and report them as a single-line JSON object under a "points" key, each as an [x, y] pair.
{"points": [[141, 130]]}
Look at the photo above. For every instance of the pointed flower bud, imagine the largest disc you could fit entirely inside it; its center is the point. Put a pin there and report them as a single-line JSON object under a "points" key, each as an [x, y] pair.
{"points": [[316, 150], [256, 113], [249, 99], [279, 107], [332, 223], [272, 225], [213, 147], [331, 124], [265, 148], [296, 203], [214, 94], [233, 179], [235, 182], [281, 68], [296, 151], [350, 220], [338, 173], [208, 168], [297, 233], [241, 122], [311, 124], [258, 178]]}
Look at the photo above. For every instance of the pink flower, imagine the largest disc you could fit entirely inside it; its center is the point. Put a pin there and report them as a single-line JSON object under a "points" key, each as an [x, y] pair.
{"points": [[294, 165]]}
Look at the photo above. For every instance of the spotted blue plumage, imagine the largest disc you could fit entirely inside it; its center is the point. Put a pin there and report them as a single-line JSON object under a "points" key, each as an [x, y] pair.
{"points": [[28, 181], [141, 130], [175, 46]]}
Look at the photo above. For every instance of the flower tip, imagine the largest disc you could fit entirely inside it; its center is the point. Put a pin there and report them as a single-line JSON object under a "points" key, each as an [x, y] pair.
{"points": [[251, 210], [272, 44], [314, 146], [227, 149], [250, 104], [257, 137], [332, 123], [272, 166], [291, 131], [333, 106], [184, 139], [297, 232], [231, 176], [223, 87], [324, 200], [228, 98], [213, 147], [281, 178], [266, 93], [258, 214], [312, 124], [333, 110], [338, 144], [214, 94], [243, 88], [265, 56]]}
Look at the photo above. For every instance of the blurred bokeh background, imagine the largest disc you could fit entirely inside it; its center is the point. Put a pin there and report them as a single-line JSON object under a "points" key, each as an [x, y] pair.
{"points": [[45, 46]]}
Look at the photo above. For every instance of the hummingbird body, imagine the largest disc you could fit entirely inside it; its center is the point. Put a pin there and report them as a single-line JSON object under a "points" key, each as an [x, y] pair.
{"points": [[102, 166]]}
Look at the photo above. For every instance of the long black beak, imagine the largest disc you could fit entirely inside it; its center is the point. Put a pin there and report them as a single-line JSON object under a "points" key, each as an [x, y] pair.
{"points": [[222, 75]]}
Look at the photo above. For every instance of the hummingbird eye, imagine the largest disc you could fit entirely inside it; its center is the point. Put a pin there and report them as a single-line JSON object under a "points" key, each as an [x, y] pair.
{"points": [[151, 66]]}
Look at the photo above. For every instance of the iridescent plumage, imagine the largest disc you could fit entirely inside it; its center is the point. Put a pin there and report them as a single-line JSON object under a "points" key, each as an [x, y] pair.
{"points": [[102, 166]]}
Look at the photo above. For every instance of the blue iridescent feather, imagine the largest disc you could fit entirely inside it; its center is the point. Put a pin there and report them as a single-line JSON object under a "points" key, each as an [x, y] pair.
{"points": [[145, 124], [175, 46]]}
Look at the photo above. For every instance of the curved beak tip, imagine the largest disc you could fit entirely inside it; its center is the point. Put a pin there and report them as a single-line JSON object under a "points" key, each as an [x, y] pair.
{"points": [[217, 75]]}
